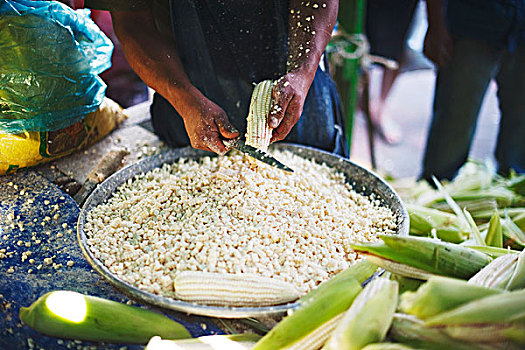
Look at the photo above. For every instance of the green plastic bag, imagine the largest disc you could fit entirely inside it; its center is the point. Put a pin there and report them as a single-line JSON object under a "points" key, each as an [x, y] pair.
{"points": [[50, 58]]}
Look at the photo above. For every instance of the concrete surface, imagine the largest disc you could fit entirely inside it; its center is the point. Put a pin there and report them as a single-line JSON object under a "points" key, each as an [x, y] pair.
{"points": [[409, 105]]}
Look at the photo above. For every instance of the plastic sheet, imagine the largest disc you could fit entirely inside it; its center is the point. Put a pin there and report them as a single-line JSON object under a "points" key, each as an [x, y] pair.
{"points": [[50, 58]]}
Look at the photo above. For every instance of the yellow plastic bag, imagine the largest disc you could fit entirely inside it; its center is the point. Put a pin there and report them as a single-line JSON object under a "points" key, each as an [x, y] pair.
{"points": [[31, 148]]}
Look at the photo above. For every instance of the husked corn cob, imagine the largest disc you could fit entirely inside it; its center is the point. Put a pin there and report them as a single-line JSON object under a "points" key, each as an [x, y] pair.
{"points": [[398, 268], [318, 337], [223, 289], [502, 308], [258, 132], [440, 294], [368, 319], [243, 341], [317, 308], [430, 255], [497, 274]]}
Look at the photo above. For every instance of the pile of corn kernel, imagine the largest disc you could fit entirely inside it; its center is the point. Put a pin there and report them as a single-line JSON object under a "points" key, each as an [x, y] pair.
{"points": [[219, 214]]}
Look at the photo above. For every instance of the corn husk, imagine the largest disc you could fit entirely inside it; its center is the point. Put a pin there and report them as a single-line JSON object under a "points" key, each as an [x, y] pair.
{"points": [[440, 294]]}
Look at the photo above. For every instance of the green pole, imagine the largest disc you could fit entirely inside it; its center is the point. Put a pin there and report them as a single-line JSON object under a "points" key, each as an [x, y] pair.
{"points": [[350, 19]]}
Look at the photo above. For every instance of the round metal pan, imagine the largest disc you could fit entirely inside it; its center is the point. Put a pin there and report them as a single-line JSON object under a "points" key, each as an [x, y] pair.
{"points": [[362, 180]]}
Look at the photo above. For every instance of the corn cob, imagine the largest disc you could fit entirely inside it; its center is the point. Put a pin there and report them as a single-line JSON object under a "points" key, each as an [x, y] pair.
{"points": [[223, 289], [318, 307], [71, 315], [497, 274], [410, 330], [243, 341], [430, 255], [494, 309], [368, 319], [441, 294], [258, 131]]}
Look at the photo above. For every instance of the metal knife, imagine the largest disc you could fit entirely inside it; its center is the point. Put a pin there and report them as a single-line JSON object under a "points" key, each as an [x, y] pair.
{"points": [[256, 153]]}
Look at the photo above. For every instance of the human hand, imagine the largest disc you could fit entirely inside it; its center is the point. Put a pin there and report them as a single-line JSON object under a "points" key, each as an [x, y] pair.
{"points": [[288, 97], [206, 124], [437, 45]]}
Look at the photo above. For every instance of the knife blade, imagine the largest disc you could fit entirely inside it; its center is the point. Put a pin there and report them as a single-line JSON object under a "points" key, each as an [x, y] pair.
{"points": [[256, 153]]}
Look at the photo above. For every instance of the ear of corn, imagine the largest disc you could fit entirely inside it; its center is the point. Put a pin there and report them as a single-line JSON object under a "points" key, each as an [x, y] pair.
{"points": [[423, 220], [517, 280], [494, 235], [211, 342], [410, 330], [487, 333], [318, 337], [223, 289], [497, 274], [368, 319], [72, 315], [441, 294], [318, 307], [430, 255], [398, 268], [495, 309], [258, 130]]}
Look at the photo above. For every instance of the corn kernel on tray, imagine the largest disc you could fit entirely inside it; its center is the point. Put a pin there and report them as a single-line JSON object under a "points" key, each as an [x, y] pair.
{"points": [[132, 256]]}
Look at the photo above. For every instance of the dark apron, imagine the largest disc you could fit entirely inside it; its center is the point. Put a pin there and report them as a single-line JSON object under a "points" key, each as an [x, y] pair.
{"points": [[228, 46]]}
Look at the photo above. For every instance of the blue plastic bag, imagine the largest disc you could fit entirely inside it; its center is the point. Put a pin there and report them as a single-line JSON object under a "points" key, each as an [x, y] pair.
{"points": [[50, 58]]}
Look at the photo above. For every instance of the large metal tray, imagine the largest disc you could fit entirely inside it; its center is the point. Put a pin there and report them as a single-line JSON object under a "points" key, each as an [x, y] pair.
{"points": [[363, 181]]}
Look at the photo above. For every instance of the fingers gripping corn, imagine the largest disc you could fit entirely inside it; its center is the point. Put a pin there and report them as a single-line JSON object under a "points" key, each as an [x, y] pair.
{"points": [[259, 132]]}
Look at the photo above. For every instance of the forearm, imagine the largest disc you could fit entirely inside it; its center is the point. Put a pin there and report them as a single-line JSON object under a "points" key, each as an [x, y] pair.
{"points": [[155, 59], [310, 28], [435, 14]]}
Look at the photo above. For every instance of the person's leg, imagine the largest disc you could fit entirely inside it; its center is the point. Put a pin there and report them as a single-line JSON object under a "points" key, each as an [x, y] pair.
{"points": [[460, 88], [510, 149]]}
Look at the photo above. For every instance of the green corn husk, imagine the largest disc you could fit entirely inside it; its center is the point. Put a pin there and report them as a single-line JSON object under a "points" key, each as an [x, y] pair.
{"points": [[494, 237], [519, 220], [318, 307], [233, 341], [517, 185], [515, 235], [360, 271], [517, 280], [368, 319], [423, 220], [387, 346], [501, 195], [406, 284], [493, 252], [487, 333], [494, 309], [512, 213], [497, 274], [410, 330], [440, 294], [430, 255]]}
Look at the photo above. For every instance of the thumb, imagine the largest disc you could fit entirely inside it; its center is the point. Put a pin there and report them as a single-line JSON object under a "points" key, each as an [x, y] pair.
{"points": [[226, 128], [280, 103]]}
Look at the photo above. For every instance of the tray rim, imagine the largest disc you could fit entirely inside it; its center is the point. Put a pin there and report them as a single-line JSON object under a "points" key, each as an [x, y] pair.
{"points": [[169, 156]]}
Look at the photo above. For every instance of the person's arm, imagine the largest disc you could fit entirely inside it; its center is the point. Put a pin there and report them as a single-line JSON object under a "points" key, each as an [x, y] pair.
{"points": [[309, 30], [437, 44], [156, 60]]}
